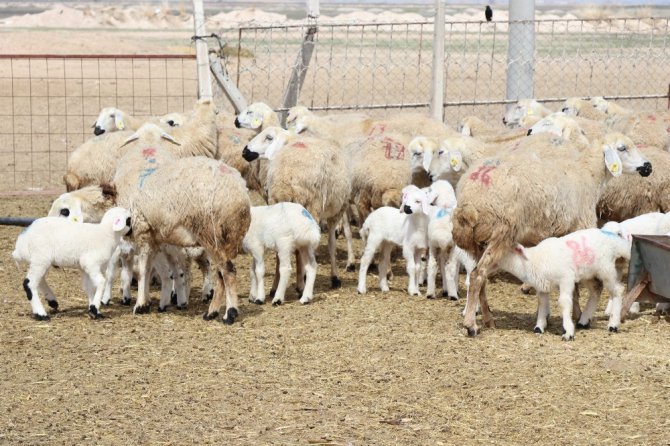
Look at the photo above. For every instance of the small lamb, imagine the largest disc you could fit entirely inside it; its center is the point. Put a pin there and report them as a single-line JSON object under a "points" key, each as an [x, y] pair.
{"points": [[282, 227], [416, 204], [580, 256], [61, 242]]}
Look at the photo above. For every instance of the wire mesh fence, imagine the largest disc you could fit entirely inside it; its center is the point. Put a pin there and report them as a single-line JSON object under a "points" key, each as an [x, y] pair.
{"points": [[48, 104], [383, 66]]}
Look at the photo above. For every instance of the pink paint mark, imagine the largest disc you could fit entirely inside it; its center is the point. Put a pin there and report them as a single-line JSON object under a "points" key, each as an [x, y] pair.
{"points": [[117, 221], [482, 175], [582, 254], [224, 169], [651, 117], [393, 150], [377, 129], [299, 145], [149, 151]]}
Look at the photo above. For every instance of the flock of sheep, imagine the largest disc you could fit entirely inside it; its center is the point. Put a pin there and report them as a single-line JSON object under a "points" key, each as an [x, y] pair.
{"points": [[527, 198]]}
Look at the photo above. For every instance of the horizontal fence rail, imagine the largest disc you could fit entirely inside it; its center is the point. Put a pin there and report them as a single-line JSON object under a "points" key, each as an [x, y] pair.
{"points": [[379, 67], [48, 104]]}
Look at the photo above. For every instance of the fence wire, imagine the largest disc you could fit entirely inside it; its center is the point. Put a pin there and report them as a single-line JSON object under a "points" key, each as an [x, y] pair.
{"points": [[377, 67], [48, 104]]}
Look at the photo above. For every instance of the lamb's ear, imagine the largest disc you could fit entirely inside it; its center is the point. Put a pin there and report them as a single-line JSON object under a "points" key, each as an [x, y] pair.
{"points": [[612, 161], [465, 130], [119, 223], [520, 250], [431, 194], [131, 138], [118, 120], [71, 181], [455, 160], [109, 192], [169, 137], [425, 204]]}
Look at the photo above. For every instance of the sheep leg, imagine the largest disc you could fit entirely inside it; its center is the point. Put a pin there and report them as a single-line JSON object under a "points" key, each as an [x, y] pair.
{"points": [[565, 302], [450, 275], [594, 288], [299, 272], [166, 271], [258, 280], [275, 280], [368, 254], [31, 283], [145, 256], [576, 311], [127, 260], [616, 290], [230, 288], [98, 280], [284, 274], [351, 260], [481, 272], [309, 260], [384, 266], [203, 265], [432, 272], [542, 312], [332, 251], [181, 277], [48, 293], [412, 258], [109, 275]]}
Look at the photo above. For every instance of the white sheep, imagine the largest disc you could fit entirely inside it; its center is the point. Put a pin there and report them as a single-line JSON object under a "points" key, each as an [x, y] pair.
{"points": [[415, 203], [285, 228], [55, 241], [579, 257], [111, 119], [524, 108]]}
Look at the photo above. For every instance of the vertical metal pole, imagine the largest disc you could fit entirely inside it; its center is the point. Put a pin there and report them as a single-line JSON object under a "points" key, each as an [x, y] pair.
{"points": [[521, 50], [202, 59], [437, 91], [313, 11]]}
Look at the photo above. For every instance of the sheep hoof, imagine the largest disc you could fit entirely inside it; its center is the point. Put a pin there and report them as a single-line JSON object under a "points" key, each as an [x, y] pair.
{"points": [[538, 330], [613, 329], [472, 332], [142, 309], [335, 282], [126, 301], [272, 293], [41, 317], [133, 282], [173, 298], [210, 295], [93, 312], [276, 303], [490, 323], [568, 338], [351, 268], [585, 326], [305, 301], [259, 302], [53, 304], [106, 303], [162, 309], [525, 289], [430, 296], [454, 298], [209, 317], [182, 307], [231, 314]]}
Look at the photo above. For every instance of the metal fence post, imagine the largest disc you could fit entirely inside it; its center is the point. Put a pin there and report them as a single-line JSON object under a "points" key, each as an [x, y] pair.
{"points": [[437, 90], [521, 50], [204, 80]]}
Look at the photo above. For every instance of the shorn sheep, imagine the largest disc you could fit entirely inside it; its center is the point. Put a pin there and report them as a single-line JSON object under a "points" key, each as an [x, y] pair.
{"points": [[193, 201], [579, 257], [55, 241], [284, 228], [559, 190], [308, 171]]}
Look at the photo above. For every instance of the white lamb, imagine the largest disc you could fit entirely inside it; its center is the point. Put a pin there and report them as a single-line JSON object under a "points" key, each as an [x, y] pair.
{"points": [[579, 257], [653, 223], [285, 228], [61, 242], [415, 203]]}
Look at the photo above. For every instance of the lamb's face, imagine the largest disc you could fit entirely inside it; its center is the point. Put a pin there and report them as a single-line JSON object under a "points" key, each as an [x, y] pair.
{"points": [[621, 156], [265, 144], [110, 119], [68, 206], [252, 116], [448, 158], [414, 200]]}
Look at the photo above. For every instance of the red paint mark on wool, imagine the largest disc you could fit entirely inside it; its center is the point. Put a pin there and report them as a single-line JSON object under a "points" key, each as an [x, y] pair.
{"points": [[377, 129], [149, 151], [393, 150], [482, 175], [582, 254], [651, 117], [299, 145], [224, 169]]}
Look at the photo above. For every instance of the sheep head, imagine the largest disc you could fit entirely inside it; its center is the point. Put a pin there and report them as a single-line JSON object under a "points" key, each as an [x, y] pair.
{"points": [[173, 119], [622, 156], [561, 125], [84, 205], [150, 133], [255, 115], [266, 144], [414, 200], [448, 157], [110, 119], [119, 219], [524, 107], [297, 118], [572, 106]]}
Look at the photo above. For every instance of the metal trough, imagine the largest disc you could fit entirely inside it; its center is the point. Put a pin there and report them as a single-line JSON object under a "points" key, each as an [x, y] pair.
{"points": [[648, 271], [16, 221]]}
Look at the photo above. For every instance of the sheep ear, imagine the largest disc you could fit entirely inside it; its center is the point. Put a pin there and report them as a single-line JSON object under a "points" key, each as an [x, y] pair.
{"points": [[168, 137], [456, 160], [118, 120], [431, 194], [119, 223], [273, 148], [424, 204], [131, 138], [427, 159], [520, 250], [108, 192], [256, 122], [612, 161], [465, 130]]}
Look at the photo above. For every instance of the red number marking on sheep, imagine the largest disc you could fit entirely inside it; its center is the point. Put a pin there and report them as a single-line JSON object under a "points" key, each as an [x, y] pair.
{"points": [[393, 149], [582, 254], [377, 129], [651, 117], [482, 175], [149, 151], [299, 145]]}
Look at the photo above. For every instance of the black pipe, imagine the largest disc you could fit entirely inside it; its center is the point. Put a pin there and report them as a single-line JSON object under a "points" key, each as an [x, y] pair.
{"points": [[16, 221]]}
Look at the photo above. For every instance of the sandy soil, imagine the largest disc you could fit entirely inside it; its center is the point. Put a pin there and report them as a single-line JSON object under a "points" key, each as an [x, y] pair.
{"points": [[379, 369]]}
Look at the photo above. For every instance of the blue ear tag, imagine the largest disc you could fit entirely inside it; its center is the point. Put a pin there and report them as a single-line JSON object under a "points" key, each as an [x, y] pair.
{"points": [[306, 213]]}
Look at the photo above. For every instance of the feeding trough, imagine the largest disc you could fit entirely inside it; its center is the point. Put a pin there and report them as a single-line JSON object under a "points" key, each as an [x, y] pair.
{"points": [[648, 272], [16, 221]]}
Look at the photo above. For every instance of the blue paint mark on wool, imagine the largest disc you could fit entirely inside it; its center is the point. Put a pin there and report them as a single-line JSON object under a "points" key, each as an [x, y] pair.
{"points": [[145, 173], [608, 233], [441, 213], [306, 213]]}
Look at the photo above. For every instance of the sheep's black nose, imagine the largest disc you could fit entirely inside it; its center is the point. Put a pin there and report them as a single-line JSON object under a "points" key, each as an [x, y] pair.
{"points": [[65, 212], [529, 132], [98, 131], [237, 123], [128, 221], [645, 170], [504, 121], [407, 209], [249, 155]]}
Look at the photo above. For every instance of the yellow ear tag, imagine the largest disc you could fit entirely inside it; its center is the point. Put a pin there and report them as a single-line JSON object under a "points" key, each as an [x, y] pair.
{"points": [[529, 112], [614, 168], [454, 161], [256, 122], [120, 125], [75, 219]]}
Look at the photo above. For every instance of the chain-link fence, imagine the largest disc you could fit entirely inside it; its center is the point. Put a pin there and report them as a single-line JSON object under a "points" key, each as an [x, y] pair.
{"points": [[48, 104], [382, 66]]}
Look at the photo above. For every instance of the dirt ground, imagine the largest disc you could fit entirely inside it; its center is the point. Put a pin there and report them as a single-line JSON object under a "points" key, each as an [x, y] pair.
{"points": [[379, 369]]}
